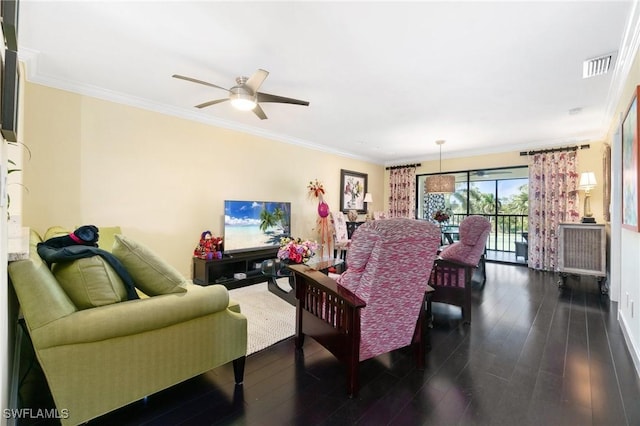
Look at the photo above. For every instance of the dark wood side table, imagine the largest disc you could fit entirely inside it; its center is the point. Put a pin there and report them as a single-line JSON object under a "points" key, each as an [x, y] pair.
{"points": [[351, 228]]}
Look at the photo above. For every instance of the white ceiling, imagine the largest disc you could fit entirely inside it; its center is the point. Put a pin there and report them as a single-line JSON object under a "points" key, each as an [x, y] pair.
{"points": [[384, 80]]}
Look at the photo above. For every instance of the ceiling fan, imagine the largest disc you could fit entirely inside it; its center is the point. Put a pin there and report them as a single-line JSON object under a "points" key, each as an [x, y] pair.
{"points": [[482, 173], [244, 95]]}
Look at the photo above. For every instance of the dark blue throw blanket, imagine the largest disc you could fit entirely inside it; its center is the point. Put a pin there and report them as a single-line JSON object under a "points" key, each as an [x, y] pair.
{"points": [[80, 244]]}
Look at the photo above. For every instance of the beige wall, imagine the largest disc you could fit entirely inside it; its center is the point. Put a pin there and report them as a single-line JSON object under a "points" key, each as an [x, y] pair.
{"points": [[162, 179]]}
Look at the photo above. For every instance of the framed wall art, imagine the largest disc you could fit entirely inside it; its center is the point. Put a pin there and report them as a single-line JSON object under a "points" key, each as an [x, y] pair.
{"points": [[630, 179], [353, 187]]}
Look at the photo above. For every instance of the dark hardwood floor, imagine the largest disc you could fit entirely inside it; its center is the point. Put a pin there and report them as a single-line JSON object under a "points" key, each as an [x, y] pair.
{"points": [[533, 355]]}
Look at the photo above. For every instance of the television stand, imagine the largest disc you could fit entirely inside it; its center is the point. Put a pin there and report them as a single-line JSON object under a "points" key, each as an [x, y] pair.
{"points": [[222, 271]]}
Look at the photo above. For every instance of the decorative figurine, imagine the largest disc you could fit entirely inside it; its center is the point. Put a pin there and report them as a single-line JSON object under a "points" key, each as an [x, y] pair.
{"points": [[209, 247], [316, 190]]}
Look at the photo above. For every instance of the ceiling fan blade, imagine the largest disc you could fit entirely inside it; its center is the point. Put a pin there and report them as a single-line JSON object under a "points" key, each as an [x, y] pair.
{"points": [[265, 97], [194, 80], [209, 103], [260, 113], [256, 80]]}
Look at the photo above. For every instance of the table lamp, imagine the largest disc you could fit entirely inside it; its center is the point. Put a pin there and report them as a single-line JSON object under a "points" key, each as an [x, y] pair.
{"points": [[587, 183], [368, 198]]}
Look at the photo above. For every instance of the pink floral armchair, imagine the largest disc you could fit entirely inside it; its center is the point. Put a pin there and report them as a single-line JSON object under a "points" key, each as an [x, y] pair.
{"points": [[453, 270], [378, 304]]}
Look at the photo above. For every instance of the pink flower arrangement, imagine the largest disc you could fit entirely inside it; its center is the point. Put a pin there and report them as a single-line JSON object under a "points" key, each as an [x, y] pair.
{"points": [[316, 189], [295, 250], [441, 216]]}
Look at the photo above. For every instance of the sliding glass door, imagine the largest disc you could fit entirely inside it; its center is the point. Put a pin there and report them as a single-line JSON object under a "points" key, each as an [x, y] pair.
{"points": [[501, 195]]}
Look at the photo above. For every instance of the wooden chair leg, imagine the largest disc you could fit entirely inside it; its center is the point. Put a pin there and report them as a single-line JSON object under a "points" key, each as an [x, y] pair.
{"points": [[299, 341], [419, 340], [429, 321], [353, 384], [238, 369], [466, 309]]}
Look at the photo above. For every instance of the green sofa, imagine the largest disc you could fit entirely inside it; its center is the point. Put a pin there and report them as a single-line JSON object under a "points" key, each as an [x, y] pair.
{"points": [[101, 358]]}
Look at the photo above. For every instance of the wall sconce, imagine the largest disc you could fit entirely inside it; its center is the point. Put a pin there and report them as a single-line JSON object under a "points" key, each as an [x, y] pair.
{"points": [[587, 183]]}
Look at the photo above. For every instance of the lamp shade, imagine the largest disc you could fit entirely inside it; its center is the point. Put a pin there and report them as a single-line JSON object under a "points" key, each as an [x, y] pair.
{"points": [[368, 198], [587, 181], [440, 184]]}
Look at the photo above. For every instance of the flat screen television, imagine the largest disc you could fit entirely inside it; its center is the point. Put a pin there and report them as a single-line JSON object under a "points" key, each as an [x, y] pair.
{"points": [[255, 225]]}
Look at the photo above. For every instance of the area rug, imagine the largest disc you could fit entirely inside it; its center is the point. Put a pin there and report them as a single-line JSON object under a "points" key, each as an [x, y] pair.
{"points": [[269, 318]]}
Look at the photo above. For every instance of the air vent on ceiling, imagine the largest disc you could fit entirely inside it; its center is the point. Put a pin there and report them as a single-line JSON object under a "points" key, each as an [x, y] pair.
{"points": [[597, 66]]}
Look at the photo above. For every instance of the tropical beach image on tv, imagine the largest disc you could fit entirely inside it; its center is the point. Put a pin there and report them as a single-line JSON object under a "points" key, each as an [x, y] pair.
{"points": [[254, 225]]}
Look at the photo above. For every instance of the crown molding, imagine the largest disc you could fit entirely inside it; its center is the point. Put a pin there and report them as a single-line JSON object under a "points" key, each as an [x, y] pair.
{"points": [[30, 59], [626, 56], [514, 148]]}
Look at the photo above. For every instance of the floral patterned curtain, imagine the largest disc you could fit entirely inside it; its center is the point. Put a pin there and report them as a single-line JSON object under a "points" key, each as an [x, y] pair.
{"points": [[402, 190], [553, 199]]}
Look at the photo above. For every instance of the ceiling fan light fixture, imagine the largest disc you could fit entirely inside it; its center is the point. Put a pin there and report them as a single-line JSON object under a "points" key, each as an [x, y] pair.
{"points": [[242, 101], [244, 96]]}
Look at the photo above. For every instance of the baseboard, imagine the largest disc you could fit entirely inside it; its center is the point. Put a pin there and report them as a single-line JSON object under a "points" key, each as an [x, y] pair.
{"points": [[633, 349]]}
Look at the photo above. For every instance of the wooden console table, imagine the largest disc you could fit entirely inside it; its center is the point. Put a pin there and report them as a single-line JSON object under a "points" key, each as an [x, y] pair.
{"points": [[222, 271]]}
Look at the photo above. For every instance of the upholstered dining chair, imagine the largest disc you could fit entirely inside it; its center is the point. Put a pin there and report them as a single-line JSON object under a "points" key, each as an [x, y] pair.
{"points": [[341, 241], [377, 304], [452, 273]]}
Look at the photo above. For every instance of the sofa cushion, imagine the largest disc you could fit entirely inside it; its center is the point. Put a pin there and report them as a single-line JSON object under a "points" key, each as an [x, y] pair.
{"points": [[150, 273], [55, 231], [90, 282], [107, 237]]}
